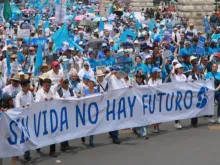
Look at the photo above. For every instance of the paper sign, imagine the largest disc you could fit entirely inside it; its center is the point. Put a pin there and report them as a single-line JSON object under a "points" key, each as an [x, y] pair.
{"points": [[189, 35], [200, 45], [167, 53], [167, 36], [108, 27], [121, 74], [102, 68], [207, 26], [23, 33]]}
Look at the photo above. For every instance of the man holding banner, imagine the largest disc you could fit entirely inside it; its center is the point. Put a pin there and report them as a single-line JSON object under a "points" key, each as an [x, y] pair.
{"points": [[23, 100]]}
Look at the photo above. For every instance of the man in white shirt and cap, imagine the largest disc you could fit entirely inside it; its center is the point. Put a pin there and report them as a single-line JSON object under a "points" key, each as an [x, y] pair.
{"points": [[64, 92], [24, 99], [56, 73], [191, 32], [102, 82], [14, 88], [115, 82], [46, 94]]}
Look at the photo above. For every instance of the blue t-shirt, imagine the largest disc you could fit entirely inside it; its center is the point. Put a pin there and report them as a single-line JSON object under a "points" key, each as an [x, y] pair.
{"points": [[185, 51], [142, 67], [213, 76], [109, 62], [87, 92]]}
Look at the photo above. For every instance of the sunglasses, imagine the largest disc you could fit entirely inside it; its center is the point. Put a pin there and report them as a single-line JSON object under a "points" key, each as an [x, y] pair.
{"points": [[86, 65]]}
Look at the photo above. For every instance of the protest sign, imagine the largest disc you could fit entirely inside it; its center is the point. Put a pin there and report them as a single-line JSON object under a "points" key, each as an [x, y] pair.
{"points": [[121, 74], [207, 25], [55, 121], [23, 33], [189, 35], [108, 27], [39, 41], [102, 68], [167, 53], [168, 35], [200, 45]]}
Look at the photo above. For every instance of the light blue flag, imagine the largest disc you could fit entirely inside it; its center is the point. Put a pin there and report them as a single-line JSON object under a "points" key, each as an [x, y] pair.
{"points": [[51, 12], [138, 25], [8, 64], [215, 37], [57, 2], [75, 45], [152, 24], [60, 35], [111, 9], [132, 15], [39, 61], [91, 10], [101, 25], [37, 20], [46, 25], [21, 57], [128, 32]]}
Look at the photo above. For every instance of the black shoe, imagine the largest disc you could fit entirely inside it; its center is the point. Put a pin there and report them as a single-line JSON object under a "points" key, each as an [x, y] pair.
{"points": [[68, 148], [194, 125], [28, 160], [91, 145], [53, 154], [116, 141], [62, 149], [135, 131], [38, 150], [83, 139]]}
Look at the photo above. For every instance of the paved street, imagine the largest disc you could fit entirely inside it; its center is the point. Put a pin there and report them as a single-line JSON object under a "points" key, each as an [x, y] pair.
{"points": [[199, 146]]}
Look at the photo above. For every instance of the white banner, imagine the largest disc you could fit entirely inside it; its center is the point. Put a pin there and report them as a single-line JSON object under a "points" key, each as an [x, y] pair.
{"points": [[55, 121]]}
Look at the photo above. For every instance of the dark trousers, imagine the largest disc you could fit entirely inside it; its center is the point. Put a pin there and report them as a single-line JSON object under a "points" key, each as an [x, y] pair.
{"points": [[217, 98], [194, 121], [114, 134], [52, 148], [27, 155], [64, 144]]}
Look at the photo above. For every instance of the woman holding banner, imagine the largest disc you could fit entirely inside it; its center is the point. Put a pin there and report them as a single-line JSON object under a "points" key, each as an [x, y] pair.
{"points": [[6, 104], [88, 91], [154, 81], [178, 76], [139, 81]]}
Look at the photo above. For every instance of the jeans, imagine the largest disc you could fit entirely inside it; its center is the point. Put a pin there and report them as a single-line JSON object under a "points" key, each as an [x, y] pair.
{"points": [[27, 155], [114, 134], [143, 131], [52, 148], [217, 98], [91, 139], [64, 145]]}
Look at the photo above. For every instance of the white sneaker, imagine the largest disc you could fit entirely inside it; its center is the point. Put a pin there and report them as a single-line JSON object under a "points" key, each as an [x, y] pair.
{"points": [[218, 120], [211, 120], [178, 126], [155, 131]]}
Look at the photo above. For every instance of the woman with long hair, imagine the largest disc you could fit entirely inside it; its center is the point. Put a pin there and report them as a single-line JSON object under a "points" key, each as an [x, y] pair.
{"points": [[139, 81], [89, 91], [155, 80], [6, 104], [178, 76]]}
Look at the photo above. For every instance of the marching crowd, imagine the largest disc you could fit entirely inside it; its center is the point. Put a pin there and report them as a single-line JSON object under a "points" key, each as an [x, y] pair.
{"points": [[98, 59]]}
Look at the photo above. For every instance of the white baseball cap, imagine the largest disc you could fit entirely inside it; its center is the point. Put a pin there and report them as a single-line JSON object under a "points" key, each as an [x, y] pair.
{"points": [[178, 66]]}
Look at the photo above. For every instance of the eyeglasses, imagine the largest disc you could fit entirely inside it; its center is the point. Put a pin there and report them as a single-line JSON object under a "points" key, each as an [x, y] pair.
{"points": [[86, 65]]}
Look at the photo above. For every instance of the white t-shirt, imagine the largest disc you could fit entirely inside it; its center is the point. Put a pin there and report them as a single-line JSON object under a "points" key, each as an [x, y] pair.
{"points": [[11, 90], [55, 77]]}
